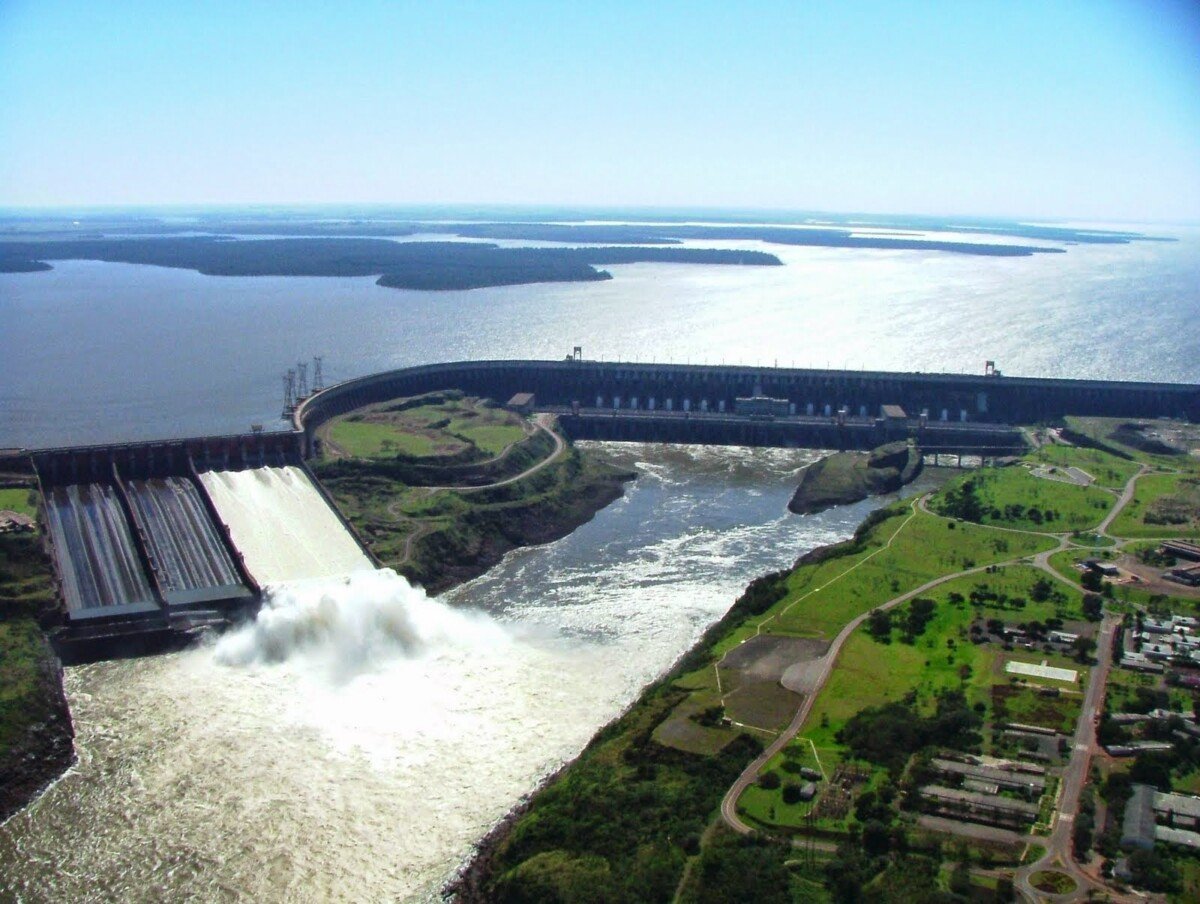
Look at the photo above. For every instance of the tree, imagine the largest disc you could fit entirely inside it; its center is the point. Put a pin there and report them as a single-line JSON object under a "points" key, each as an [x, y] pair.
{"points": [[879, 624], [876, 839], [960, 880], [1093, 605], [1041, 590], [1153, 768], [1005, 891], [1154, 872], [1083, 649]]}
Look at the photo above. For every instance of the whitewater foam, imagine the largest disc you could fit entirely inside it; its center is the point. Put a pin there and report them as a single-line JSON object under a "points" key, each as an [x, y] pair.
{"points": [[352, 623]]}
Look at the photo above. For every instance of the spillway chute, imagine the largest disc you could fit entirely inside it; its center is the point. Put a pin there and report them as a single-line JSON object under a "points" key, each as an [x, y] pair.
{"points": [[282, 526]]}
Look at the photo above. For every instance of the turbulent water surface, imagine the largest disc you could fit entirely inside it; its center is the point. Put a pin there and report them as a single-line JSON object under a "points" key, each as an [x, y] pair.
{"points": [[356, 740]]}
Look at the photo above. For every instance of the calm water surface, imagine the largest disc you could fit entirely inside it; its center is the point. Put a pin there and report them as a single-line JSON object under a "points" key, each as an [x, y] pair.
{"points": [[101, 352]]}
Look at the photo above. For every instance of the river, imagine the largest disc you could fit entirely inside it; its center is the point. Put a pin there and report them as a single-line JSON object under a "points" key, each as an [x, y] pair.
{"points": [[384, 732]]}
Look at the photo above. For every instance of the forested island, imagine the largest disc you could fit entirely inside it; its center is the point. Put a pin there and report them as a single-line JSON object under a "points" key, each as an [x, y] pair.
{"points": [[361, 243], [407, 265]]}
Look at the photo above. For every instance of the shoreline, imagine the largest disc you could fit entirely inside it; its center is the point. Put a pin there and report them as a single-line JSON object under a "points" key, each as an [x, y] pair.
{"points": [[46, 752]]}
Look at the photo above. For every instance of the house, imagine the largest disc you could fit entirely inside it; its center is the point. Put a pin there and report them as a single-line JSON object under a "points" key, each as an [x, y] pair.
{"points": [[522, 403]]}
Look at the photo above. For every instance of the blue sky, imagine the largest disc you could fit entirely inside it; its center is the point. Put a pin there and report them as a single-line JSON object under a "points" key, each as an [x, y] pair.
{"points": [[1086, 110]]}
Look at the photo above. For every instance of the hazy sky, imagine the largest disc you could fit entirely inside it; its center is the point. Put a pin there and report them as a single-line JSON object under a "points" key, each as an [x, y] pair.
{"points": [[1043, 109]]}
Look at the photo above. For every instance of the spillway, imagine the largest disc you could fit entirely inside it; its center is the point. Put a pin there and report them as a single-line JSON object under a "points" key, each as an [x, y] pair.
{"points": [[183, 542], [282, 526], [97, 557]]}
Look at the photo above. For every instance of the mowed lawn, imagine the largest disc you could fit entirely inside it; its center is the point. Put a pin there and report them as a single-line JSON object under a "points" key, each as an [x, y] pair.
{"points": [[1108, 470], [16, 499], [1073, 507], [368, 439], [824, 598], [442, 427]]}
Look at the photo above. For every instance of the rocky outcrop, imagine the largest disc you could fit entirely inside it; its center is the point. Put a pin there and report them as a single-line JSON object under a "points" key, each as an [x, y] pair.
{"points": [[847, 477]]}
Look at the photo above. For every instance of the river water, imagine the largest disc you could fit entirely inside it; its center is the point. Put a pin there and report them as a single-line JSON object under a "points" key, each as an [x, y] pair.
{"points": [[356, 746]]}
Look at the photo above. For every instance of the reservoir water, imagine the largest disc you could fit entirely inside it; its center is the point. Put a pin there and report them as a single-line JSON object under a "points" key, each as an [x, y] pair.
{"points": [[355, 743], [100, 352]]}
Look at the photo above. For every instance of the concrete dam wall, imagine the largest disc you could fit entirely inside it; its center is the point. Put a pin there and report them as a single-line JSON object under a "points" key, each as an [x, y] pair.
{"points": [[684, 403], [146, 547], [98, 558], [184, 545]]}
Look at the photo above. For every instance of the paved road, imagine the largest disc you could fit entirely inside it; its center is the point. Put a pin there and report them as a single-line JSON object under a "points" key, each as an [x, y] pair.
{"points": [[1126, 495], [543, 422], [1058, 851]]}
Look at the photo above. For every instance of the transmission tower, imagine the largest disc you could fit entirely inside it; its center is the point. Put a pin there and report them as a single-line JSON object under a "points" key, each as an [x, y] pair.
{"points": [[301, 380], [289, 394], [318, 377]]}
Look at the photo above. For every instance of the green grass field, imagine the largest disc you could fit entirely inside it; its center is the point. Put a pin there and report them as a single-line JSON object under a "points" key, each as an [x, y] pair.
{"points": [[447, 425], [17, 500], [824, 598], [1157, 501], [1072, 507], [22, 649], [364, 439], [1108, 470]]}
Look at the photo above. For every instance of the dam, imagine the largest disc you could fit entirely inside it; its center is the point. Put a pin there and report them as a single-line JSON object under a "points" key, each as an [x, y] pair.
{"points": [[150, 542], [829, 409], [158, 539]]}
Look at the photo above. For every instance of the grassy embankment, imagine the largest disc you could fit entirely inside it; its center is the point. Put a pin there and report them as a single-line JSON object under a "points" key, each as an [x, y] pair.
{"points": [[415, 478], [897, 550], [30, 694]]}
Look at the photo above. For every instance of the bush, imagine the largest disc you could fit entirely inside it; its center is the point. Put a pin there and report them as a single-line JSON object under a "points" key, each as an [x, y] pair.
{"points": [[769, 781]]}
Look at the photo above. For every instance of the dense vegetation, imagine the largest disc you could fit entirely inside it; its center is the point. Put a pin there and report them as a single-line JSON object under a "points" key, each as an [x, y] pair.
{"points": [[888, 735]]}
